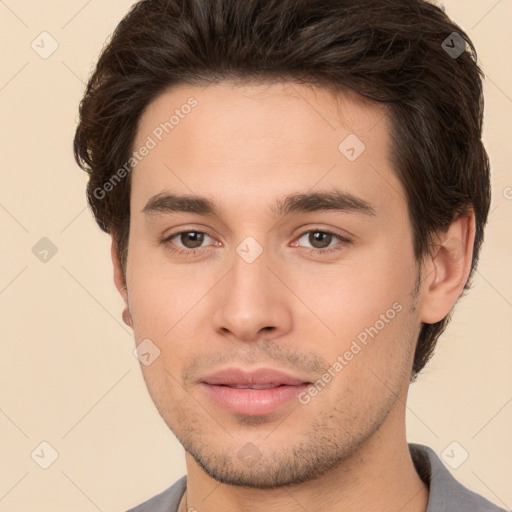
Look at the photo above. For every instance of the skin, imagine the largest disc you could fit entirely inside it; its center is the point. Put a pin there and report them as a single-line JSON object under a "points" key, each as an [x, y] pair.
{"points": [[245, 147]]}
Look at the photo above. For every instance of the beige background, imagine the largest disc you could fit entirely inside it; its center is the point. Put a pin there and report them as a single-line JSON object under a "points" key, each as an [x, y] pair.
{"points": [[68, 375]]}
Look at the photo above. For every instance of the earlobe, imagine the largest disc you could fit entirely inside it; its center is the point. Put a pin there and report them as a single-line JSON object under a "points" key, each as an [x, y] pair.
{"points": [[449, 265], [120, 281], [127, 318]]}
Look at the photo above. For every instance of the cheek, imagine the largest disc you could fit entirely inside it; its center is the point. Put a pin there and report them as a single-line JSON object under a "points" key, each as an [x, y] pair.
{"points": [[356, 295], [160, 293], [167, 306], [372, 367], [367, 308]]}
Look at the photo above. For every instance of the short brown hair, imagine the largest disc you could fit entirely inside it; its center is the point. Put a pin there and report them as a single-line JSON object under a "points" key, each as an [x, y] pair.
{"points": [[395, 52]]}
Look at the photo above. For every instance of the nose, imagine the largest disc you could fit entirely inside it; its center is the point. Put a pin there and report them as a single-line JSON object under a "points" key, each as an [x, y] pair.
{"points": [[251, 301]]}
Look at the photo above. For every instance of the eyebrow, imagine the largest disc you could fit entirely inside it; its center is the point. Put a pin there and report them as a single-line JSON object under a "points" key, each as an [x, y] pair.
{"points": [[334, 200]]}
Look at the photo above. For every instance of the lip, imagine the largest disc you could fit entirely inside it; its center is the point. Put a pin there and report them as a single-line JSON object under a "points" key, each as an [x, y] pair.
{"points": [[261, 376], [220, 387]]}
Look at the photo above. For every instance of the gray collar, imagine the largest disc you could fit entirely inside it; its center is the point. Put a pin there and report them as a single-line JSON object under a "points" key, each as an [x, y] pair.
{"points": [[446, 494]]}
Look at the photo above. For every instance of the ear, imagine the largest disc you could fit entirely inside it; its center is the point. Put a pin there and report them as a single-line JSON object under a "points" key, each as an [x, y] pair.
{"points": [[447, 269], [120, 282]]}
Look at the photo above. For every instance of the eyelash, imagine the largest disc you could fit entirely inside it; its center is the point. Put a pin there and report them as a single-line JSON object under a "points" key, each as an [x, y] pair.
{"points": [[196, 252]]}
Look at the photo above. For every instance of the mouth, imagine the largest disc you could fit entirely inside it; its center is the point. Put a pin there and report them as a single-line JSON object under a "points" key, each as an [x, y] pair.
{"points": [[254, 386], [252, 393]]}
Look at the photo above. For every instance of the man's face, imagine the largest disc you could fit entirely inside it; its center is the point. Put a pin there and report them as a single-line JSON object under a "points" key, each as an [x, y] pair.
{"points": [[262, 291]]}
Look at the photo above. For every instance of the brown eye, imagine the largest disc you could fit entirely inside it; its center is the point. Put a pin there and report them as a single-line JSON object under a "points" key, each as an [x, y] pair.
{"points": [[320, 242], [191, 239], [186, 242], [320, 239]]}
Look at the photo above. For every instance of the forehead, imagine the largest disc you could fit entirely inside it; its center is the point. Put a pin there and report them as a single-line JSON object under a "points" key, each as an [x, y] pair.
{"points": [[260, 138], [279, 114]]}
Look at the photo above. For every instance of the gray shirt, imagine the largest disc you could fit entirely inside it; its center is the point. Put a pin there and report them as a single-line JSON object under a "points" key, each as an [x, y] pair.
{"points": [[445, 495]]}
